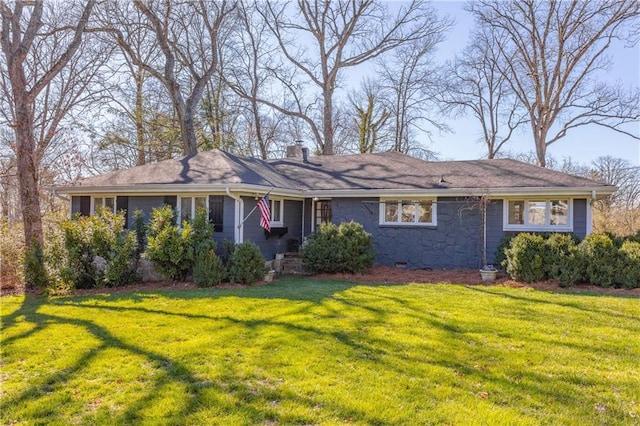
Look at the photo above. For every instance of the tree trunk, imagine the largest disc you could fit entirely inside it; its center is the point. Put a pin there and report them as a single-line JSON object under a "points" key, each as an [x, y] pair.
{"points": [[27, 170], [139, 119], [189, 141], [327, 122]]}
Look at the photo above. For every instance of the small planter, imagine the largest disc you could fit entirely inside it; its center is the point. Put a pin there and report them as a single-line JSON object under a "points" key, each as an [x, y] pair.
{"points": [[488, 275], [268, 277]]}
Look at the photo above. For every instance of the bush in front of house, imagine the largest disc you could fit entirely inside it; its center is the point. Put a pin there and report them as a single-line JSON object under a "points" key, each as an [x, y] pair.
{"points": [[246, 264], [35, 272], [208, 270], [98, 252], [629, 273], [343, 248], [525, 258], [601, 259], [169, 248], [563, 259], [598, 259]]}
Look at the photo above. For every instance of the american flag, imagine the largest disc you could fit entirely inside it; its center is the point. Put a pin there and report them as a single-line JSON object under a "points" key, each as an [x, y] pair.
{"points": [[265, 213]]}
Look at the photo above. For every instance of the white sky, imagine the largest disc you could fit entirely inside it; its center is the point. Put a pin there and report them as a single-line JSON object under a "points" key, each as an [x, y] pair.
{"points": [[581, 145]]}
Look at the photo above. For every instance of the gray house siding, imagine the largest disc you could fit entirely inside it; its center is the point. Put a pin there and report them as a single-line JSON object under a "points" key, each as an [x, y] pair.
{"points": [[495, 226], [454, 243], [271, 244], [145, 204]]}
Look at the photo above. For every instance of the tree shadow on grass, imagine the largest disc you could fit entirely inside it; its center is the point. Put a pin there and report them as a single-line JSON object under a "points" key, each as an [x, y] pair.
{"points": [[198, 390], [559, 302]]}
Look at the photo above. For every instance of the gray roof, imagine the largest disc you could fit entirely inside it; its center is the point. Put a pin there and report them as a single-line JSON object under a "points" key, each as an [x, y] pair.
{"points": [[383, 171], [393, 170], [209, 167]]}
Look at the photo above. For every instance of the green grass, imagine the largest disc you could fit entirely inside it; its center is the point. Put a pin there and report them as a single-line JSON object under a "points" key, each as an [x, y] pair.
{"points": [[303, 351]]}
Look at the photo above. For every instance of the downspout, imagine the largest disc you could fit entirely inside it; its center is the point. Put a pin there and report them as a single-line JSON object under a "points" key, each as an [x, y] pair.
{"points": [[302, 231], [484, 232], [238, 229]]}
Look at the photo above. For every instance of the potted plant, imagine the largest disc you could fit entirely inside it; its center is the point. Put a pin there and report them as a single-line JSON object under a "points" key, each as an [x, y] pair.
{"points": [[488, 272]]}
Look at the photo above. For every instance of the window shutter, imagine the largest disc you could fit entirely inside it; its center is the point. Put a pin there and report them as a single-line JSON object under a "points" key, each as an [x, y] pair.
{"points": [[171, 200], [85, 205], [216, 212]]}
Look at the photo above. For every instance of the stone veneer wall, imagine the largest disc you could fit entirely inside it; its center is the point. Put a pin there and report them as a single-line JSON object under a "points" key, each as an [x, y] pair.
{"points": [[455, 242]]}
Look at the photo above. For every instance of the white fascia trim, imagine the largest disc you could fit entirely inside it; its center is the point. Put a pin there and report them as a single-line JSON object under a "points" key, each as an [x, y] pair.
{"points": [[299, 194], [499, 193], [155, 189]]}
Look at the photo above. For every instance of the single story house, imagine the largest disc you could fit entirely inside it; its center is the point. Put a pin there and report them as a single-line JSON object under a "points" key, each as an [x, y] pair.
{"points": [[421, 214]]}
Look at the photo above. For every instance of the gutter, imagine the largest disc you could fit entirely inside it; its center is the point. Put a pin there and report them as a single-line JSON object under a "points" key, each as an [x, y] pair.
{"points": [[238, 229]]}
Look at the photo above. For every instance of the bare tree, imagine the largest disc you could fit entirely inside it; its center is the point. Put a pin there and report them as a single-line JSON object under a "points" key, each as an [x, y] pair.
{"points": [[251, 75], [551, 54], [371, 117], [25, 31], [474, 84], [322, 39], [188, 35], [411, 82]]}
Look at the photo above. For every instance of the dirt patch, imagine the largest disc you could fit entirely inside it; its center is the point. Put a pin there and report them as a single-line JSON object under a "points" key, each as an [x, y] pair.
{"points": [[384, 274], [377, 275]]}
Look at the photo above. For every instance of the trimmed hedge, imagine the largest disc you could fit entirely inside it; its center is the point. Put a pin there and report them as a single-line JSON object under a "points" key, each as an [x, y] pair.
{"points": [[597, 259]]}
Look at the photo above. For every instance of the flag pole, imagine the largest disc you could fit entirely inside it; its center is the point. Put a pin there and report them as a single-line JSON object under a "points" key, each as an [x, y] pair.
{"points": [[253, 210]]}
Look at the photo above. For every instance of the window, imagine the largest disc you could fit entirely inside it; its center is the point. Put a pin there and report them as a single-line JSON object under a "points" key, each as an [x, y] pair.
{"points": [[323, 212], [407, 212], [276, 212], [108, 203], [552, 215], [189, 205]]}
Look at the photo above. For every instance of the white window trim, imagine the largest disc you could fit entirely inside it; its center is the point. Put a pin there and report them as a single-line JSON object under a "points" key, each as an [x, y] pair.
{"points": [[193, 205], [103, 197], [314, 206], [279, 223], [547, 227], [382, 213]]}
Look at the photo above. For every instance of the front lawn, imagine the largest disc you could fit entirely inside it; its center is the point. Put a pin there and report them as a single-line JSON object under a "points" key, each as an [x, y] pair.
{"points": [[322, 352]]}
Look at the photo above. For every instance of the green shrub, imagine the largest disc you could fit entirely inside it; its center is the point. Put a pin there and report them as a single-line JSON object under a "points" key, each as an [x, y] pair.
{"points": [[525, 258], [321, 251], [246, 264], [79, 270], [629, 273], [98, 236], [344, 248], [228, 247], [35, 272], [500, 257], [140, 229], [202, 228], [170, 248], [208, 269], [122, 261], [562, 259], [356, 248], [600, 259]]}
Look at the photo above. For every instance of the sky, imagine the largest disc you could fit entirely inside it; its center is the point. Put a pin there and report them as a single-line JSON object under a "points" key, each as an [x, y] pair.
{"points": [[582, 145]]}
